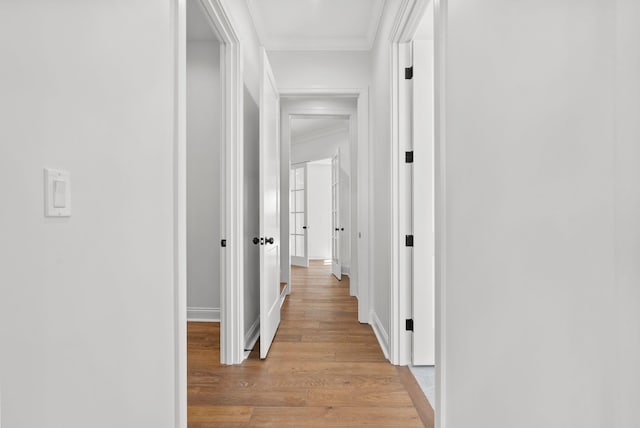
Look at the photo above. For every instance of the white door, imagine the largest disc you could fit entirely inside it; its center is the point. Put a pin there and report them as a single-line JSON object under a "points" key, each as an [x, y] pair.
{"points": [[423, 205], [299, 246], [269, 207], [336, 228]]}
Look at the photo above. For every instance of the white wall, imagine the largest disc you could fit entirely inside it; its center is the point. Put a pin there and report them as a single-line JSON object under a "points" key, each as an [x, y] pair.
{"points": [[542, 206], [203, 179], [380, 167], [245, 30], [319, 214], [321, 69], [627, 226], [322, 147], [251, 218], [87, 302]]}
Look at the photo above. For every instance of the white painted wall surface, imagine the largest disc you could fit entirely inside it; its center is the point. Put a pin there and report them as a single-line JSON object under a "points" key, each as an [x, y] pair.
{"points": [[243, 24], [321, 69], [542, 205], [627, 225], [319, 213], [87, 302], [380, 171], [203, 179], [321, 148]]}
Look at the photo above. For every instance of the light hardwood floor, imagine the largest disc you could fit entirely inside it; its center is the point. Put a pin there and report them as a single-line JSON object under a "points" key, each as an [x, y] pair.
{"points": [[324, 369]]}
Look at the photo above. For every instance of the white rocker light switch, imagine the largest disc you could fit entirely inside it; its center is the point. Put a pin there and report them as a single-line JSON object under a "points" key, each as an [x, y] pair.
{"points": [[57, 191]]}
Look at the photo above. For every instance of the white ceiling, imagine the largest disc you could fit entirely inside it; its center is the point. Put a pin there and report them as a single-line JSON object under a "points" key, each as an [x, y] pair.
{"points": [[305, 129], [316, 24], [198, 26]]}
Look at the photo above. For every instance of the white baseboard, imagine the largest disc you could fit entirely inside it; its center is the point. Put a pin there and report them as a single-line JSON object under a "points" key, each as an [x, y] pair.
{"points": [[251, 337], [381, 334], [203, 314], [346, 270], [284, 293]]}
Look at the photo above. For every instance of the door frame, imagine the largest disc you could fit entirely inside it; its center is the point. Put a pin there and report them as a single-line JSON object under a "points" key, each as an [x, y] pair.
{"points": [[231, 297], [404, 28], [361, 263]]}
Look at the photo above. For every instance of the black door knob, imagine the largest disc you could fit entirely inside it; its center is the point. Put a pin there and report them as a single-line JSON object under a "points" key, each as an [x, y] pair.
{"points": [[269, 240], [342, 229], [256, 241], [304, 227], [337, 230]]}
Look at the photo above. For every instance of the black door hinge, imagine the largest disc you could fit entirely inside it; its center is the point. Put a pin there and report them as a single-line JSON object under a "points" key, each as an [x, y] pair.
{"points": [[409, 325], [408, 240], [223, 243], [408, 73], [408, 157]]}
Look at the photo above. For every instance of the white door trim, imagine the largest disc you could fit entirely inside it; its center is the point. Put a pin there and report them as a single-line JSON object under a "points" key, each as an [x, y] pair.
{"points": [[404, 28], [409, 16], [231, 298], [361, 263]]}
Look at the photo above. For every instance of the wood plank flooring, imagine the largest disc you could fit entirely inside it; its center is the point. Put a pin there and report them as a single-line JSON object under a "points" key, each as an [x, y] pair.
{"points": [[324, 369]]}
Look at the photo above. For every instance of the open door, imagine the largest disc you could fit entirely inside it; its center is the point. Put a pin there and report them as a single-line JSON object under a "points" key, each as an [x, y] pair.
{"points": [[269, 209], [336, 229], [299, 245], [423, 206]]}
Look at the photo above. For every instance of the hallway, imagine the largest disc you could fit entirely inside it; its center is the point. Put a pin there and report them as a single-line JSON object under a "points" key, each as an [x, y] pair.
{"points": [[324, 369]]}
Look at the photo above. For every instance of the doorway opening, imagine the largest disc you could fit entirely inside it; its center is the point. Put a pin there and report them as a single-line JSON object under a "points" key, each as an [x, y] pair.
{"points": [[315, 220], [320, 192], [204, 189], [320, 150], [204, 228]]}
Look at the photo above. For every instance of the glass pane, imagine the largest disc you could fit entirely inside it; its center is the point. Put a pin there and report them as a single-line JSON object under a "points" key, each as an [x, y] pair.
{"points": [[299, 246], [292, 203], [299, 223], [300, 178], [300, 201], [292, 179], [292, 223]]}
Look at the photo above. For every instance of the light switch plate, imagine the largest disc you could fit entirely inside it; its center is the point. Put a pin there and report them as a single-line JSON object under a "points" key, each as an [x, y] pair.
{"points": [[57, 193]]}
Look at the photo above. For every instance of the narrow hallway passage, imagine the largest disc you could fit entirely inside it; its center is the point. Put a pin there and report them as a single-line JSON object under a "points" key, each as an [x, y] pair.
{"points": [[324, 369]]}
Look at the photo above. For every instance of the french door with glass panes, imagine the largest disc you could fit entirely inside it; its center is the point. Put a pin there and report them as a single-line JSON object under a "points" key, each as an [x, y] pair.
{"points": [[298, 216], [336, 228]]}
